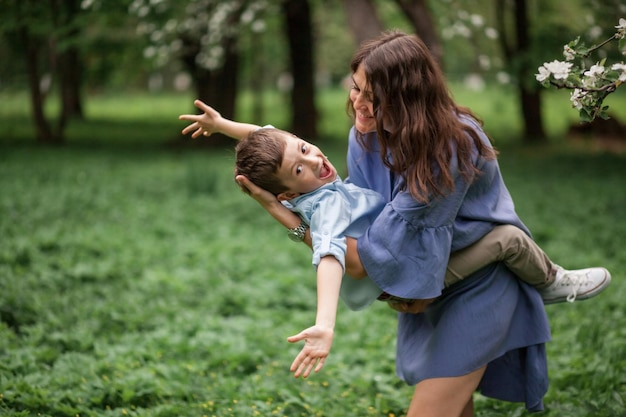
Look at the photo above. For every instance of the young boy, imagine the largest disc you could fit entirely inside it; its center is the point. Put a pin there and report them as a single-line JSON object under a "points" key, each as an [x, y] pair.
{"points": [[302, 178]]}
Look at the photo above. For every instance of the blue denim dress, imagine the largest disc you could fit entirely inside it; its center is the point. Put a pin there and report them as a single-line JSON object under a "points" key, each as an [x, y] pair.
{"points": [[490, 318]]}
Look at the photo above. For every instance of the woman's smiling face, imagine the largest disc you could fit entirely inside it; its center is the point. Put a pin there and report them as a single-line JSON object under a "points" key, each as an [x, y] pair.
{"points": [[362, 102], [304, 168]]}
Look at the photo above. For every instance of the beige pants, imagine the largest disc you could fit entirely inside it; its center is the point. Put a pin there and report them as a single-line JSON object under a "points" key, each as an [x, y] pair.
{"points": [[507, 244]]}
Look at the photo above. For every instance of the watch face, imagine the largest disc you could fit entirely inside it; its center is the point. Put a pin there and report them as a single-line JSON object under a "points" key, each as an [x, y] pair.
{"points": [[295, 236]]}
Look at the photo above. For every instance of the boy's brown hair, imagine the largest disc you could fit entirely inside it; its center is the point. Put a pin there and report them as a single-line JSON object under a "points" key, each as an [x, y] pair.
{"points": [[259, 156]]}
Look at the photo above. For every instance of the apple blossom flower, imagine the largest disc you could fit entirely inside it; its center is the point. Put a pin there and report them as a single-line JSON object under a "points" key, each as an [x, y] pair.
{"points": [[569, 53], [575, 99], [560, 70], [543, 75], [594, 71], [593, 76], [620, 67], [621, 29]]}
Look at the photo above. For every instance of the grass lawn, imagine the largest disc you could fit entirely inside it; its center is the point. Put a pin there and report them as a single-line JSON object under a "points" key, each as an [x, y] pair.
{"points": [[137, 280]]}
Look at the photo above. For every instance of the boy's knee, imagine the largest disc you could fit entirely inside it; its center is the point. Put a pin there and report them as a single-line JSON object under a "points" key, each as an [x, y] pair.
{"points": [[510, 238]]}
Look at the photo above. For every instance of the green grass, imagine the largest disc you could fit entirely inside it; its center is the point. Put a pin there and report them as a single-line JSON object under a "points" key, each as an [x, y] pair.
{"points": [[137, 280]]}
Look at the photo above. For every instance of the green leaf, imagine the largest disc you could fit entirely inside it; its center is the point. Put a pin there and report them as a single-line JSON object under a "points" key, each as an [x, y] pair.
{"points": [[585, 115]]}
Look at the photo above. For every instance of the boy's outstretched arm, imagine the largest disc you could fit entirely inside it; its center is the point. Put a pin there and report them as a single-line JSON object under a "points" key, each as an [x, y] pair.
{"points": [[211, 121], [319, 338]]}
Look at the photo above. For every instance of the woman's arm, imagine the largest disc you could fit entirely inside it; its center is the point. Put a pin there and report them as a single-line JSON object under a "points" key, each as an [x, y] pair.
{"points": [[212, 122], [354, 267], [274, 207]]}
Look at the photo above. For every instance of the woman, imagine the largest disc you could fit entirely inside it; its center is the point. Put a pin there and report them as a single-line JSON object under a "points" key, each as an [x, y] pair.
{"points": [[435, 166]]}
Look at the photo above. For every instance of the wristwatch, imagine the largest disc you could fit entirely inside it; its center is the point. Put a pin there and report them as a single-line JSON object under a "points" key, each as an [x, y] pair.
{"points": [[297, 233]]}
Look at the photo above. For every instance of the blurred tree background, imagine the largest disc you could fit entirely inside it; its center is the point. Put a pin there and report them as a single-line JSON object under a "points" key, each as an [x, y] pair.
{"points": [[73, 50]]}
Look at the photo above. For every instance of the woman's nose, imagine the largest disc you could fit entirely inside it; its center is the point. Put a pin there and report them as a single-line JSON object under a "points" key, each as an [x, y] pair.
{"points": [[359, 101]]}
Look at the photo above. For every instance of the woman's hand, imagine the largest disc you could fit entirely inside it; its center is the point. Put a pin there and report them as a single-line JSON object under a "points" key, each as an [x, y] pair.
{"points": [[202, 124], [413, 307], [317, 343], [263, 197], [270, 203]]}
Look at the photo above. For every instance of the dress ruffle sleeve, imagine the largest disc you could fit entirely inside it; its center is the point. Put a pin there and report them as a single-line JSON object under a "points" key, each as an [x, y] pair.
{"points": [[406, 250], [404, 258]]}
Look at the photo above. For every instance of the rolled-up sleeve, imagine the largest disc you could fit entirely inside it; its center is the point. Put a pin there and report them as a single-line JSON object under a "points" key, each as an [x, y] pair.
{"points": [[331, 216]]}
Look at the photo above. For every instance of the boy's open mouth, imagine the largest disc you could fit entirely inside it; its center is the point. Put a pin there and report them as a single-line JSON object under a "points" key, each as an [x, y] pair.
{"points": [[326, 171]]}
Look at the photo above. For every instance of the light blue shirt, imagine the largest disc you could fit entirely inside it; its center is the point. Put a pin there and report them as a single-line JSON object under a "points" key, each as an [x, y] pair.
{"points": [[335, 211]]}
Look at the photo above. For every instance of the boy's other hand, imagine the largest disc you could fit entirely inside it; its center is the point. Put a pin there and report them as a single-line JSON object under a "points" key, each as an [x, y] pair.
{"points": [[317, 343], [204, 124]]}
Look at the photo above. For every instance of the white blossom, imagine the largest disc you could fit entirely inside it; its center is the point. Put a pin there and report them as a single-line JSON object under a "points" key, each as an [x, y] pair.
{"points": [[594, 71], [503, 77], [593, 75], [568, 53], [595, 32], [543, 75], [621, 29], [575, 99], [491, 33], [559, 70], [581, 98], [620, 67], [589, 81], [477, 20]]}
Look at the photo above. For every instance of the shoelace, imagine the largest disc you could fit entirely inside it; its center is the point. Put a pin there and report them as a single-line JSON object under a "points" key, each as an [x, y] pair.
{"points": [[574, 279]]}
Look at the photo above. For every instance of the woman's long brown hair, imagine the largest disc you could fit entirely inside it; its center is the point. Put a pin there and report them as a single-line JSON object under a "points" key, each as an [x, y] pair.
{"points": [[417, 122]]}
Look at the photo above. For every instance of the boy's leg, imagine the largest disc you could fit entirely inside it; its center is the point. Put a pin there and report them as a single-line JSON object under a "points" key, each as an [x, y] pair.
{"points": [[510, 245], [528, 262]]}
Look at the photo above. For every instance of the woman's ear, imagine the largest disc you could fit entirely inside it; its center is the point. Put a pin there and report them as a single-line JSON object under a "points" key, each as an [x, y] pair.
{"points": [[287, 195]]}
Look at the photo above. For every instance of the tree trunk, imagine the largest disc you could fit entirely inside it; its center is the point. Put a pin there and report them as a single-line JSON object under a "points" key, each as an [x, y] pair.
{"points": [[299, 32], [516, 55], [362, 20], [219, 86], [70, 81], [531, 111], [530, 98], [420, 16], [44, 133], [69, 65]]}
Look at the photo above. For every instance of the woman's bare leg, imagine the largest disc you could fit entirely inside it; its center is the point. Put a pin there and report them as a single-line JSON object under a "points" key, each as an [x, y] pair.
{"points": [[468, 411], [445, 397]]}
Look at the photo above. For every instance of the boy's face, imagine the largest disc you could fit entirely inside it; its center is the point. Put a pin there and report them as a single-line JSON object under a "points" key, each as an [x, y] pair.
{"points": [[304, 169]]}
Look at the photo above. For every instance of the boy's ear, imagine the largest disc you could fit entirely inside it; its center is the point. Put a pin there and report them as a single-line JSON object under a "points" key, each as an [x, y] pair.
{"points": [[287, 195]]}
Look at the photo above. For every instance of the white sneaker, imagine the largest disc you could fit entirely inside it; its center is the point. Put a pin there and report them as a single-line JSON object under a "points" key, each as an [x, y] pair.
{"points": [[578, 284]]}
